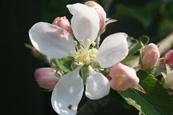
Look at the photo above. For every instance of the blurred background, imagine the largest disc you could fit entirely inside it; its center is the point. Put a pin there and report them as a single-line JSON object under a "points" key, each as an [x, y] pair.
{"points": [[20, 93]]}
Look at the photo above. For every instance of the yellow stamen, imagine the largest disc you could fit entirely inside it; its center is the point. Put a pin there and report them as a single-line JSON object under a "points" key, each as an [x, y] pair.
{"points": [[70, 53], [81, 41], [75, 43], [88, 40], [93, 56], [93, 43], [81, 47], [87, 59]]}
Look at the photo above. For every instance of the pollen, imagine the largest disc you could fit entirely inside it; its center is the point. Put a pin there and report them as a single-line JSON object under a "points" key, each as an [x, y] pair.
{"points": [[87, 59], [93, 43], [93, 56], [75, 43], [81, 41], [88, 40]]}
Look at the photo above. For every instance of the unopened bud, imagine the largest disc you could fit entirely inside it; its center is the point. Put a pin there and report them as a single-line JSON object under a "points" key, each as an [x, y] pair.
{"points": [[169, 58], [150, 47], [150, 59], [46, 78], [63, 22], [100, 11], [150, 56], [123, 77]]}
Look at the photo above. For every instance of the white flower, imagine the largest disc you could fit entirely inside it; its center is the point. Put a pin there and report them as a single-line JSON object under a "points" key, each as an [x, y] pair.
{"points": [[56, 42]]}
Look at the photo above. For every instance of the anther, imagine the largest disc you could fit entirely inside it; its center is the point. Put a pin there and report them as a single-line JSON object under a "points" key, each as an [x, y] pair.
{"points": [[81, 47], [93, 56], [75, 43], [88, 40], [87, 59], [93, 43], [81, 41], [70, 53], [76, 53]]}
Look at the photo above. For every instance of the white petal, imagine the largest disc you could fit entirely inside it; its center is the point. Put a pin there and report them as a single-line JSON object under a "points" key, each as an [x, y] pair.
{"points": [[68, 93], [84, 23], [112, 50], [97, 85], [51, 40]]}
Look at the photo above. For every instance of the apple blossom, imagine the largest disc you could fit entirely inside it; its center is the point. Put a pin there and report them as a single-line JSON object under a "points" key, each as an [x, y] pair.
{"points": [[57, 43], [123, 77], [46, 78]]}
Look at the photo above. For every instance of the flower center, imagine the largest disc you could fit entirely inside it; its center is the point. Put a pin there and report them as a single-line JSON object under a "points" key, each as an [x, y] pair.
{"points": [[83, 57]]}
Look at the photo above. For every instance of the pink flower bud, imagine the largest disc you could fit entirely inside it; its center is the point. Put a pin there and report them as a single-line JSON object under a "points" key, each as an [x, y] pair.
{"points": [[169, 58], [63, 22], [150, 47], [46, 78], [150, 59], [100, 11], [150, 56], [123, 77]]}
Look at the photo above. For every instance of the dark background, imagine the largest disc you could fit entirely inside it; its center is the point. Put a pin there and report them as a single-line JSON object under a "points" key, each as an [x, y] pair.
{"points": [[20, 94]]}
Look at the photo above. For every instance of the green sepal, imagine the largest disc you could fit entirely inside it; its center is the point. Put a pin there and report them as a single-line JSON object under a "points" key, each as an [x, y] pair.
{"points": [[64, 65], [84, 73]]}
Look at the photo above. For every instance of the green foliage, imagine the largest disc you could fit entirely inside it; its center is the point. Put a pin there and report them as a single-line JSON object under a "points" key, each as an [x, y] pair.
{"points": [[145, 14], [156, 101], [135, 45]]}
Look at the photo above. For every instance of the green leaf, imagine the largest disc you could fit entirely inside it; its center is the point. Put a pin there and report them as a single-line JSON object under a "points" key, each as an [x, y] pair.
{"points": [[156, 101], [144, 39], [135, 45], [129, 58]]}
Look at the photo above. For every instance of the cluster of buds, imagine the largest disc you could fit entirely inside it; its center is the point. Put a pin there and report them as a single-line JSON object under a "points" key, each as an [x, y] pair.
{"points": [[123, 77], [150, 57]]}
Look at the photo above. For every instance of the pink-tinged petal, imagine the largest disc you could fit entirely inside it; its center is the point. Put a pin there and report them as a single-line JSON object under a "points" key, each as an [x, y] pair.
{"points": [[51, 40], [150, 47], [63, 22], [46, 78], [97, 85], [113, 49], [68, 93], [84, 23], [100, 11], [123, 77]]}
